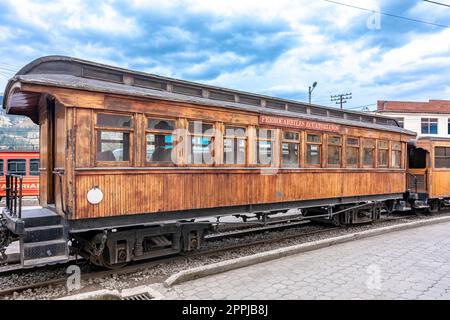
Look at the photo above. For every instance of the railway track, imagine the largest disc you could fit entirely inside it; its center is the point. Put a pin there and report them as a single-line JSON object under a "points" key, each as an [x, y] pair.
{"points": [[139, 266], [93, 273]]}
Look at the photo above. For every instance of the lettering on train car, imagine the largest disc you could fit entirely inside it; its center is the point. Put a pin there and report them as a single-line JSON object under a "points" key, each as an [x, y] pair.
{"points": [[298, 123]]}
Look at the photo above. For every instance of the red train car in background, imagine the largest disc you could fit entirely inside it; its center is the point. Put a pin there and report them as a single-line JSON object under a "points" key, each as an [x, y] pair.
{"points": [[24, 163]]}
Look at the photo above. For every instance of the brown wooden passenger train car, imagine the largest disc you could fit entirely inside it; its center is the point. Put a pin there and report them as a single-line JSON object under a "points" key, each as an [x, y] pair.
{"points": [[429, 170], [143, 155]]}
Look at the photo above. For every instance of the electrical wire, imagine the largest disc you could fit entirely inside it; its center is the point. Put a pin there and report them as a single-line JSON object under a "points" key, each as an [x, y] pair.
{"points": [[390, 14], [438, 3]]}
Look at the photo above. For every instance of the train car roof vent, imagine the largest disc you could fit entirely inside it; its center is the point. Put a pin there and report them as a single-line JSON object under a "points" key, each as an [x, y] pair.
{"points": [[319, 112], [275, 105], [249, 100], [221, 96], [336, 114], [187, 90], [297, 108]]}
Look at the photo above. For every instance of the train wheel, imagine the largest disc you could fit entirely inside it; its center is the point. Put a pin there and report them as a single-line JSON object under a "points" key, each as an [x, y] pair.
{"points": [[98, 253], [104, 261]]}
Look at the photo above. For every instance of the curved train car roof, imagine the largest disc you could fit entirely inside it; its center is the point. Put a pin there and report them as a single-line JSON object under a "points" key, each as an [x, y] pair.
{"points": [[73, 73]]}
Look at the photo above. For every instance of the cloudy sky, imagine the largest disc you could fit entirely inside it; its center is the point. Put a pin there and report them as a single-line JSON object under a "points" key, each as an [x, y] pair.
{"points": [[272, 47]]}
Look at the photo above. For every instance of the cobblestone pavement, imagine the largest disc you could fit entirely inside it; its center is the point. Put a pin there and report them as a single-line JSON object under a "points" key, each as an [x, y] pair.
{"points": [[410, 264]]}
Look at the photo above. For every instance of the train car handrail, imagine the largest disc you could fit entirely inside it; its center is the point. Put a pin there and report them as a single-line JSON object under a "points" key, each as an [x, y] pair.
{"points": [[59, 172], [14, 183], [415, 177]]}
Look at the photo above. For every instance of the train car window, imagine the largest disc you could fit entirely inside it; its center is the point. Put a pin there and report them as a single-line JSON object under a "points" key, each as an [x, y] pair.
{"points": [[113, 137], [442, 157], [313, 149], [114, 121], [34, 167], [396, 154], [368, 152], [234, 145], [352, 152], [17, 166], [383, 153], [160, 140], [201, 143], [290, 149], [334, 151], [429, 125], [264, 146], [1, 168]]}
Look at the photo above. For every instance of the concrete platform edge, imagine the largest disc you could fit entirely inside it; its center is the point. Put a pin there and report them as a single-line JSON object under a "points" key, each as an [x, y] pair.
{"points": [[223, 266]]}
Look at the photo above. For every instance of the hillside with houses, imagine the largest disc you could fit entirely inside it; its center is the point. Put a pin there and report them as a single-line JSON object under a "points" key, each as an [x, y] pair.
{"points": [[17, 133]]}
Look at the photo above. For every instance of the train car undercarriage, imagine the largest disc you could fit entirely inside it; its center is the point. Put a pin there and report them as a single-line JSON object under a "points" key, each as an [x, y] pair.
{"points": [[115, 246]]}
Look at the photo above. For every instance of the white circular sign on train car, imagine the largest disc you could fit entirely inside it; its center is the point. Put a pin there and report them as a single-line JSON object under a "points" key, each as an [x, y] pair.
{"points": [[95, 195]]}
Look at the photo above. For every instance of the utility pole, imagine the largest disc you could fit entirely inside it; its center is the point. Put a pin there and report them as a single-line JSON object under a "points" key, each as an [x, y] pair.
{"points": [[341, 98]]}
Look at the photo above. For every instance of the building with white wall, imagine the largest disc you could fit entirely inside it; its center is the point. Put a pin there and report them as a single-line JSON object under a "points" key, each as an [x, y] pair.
{"points": [[431, 119]]}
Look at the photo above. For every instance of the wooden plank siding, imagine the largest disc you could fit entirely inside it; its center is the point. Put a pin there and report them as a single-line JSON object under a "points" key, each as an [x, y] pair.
{"points": [[144, 188], [131, 193]]}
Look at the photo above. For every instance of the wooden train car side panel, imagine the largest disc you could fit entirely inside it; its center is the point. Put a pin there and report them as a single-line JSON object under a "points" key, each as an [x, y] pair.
{"points": [[160, 192], [437, 177], [196, 190], [440, 184]]}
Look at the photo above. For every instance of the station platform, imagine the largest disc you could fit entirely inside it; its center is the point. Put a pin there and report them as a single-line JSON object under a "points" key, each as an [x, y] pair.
{"points": [[409, 264]]}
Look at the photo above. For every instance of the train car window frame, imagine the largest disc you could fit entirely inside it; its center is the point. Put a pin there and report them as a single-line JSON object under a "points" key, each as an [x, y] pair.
{"points": [[16, 161], [2, 168], [33, 173], [382, 148], [264, 140], [396, 155], [309, 144], [442, 157], [334, 144], [292, 142], [372, 148], [158, 133], [353, 147], [191, 157], [237, 139], [127, 139]]}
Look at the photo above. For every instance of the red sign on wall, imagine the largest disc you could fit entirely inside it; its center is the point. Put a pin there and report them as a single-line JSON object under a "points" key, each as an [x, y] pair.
{"points": [[298, 123]]}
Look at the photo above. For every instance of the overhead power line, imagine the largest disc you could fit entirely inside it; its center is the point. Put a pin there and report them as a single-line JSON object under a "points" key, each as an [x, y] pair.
{"points": [[390, 14], [438, 3], [341, 98], [362, 107]]}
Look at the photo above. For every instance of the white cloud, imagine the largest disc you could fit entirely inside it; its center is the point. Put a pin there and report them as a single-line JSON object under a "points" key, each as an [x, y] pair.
{"points": [[351, 66], [324, 46], [74, 15]]}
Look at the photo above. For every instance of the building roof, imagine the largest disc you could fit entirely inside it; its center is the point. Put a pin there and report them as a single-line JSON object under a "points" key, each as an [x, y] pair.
{"points": [[432, 106], [79, 74]]}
